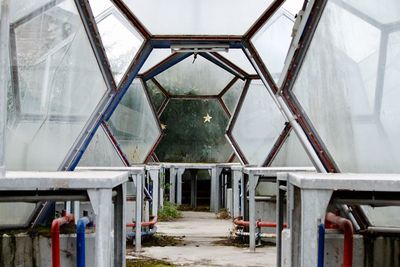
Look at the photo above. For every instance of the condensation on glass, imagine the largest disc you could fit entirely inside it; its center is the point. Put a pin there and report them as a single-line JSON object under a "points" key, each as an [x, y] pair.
{"points": [[120, 39], [194, 76], [56, 87], [157, 97], [134, 124], [207, 17], [194, 132], [101, 152], [273, 40], [348, 87], [258, 124], [291, 154]]}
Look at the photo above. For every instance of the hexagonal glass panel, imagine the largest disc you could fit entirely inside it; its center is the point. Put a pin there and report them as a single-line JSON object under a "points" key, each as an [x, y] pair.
{"points": [[273, 40], [194, 77], [157, 97], [258, 124], [134, 124], [231, 97], [194, 132], [207, 17], [291, 154], [54, 92], [101, 152], [120, 39], [356, 87]]}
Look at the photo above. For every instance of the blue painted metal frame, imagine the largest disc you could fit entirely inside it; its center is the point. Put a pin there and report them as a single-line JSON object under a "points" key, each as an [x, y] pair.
{"points": [[178, 57]]}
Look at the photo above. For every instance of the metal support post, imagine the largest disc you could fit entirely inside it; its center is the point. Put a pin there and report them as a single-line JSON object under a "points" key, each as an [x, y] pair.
{"points": [[139, 210], [214, 199], [253, 181], [154, 176], [172, 184], [236, 176], [4, 78], [193, 190], [179, 185]]}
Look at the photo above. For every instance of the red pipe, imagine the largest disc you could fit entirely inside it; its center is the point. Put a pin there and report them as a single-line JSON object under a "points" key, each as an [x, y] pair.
{"points": [[55, 236], [144, 224], [347, 227], [261, 224]]}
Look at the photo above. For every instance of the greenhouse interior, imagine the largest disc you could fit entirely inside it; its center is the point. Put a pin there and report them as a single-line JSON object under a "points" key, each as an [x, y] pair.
{"points": [[274, 119]]}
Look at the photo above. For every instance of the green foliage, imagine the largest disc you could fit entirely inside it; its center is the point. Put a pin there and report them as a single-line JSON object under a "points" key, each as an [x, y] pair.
{"points": [[169, 212]]}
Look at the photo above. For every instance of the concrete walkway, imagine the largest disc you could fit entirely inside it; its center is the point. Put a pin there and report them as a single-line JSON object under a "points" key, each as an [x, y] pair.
{"points": [[199, 231]]}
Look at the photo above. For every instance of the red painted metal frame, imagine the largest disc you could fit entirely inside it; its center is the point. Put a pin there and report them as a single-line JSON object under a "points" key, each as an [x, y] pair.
{"points": [[278, 145]]}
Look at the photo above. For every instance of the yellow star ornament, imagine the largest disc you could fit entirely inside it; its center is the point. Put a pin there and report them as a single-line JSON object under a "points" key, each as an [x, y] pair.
{"points": [[207, 118]]}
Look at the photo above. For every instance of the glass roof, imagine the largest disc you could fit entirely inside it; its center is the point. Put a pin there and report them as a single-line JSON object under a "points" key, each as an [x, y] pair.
{"points": [[192, 17], [291, 154], [194, 132], [273, 40], [134, 124], [258, 124], [194, 77], [120, 39], [101, 152], [350, 71]]}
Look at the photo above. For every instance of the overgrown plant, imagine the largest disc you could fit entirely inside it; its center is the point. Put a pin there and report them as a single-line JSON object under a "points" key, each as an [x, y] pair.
{"points": [[169, 212]]}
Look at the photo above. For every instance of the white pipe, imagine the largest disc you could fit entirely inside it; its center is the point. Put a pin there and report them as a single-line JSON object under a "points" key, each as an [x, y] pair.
{"points": [[4, 67]]}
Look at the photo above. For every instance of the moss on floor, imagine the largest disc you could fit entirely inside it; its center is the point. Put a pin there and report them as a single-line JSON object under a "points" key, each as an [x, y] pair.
{"points": [[147, 262]]}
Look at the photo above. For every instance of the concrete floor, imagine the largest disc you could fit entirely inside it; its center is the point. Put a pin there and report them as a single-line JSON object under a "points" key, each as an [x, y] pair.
{"points": [[200, 230]]}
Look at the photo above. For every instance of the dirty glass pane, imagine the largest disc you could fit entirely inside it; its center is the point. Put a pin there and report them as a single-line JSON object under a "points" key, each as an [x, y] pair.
{"points": [[272, 42], [291, 154], [237, 57], [54, 91], [191, 135], [100, 152], [156, 96], [258, 125], [207, 17], [359, 121], [120, 40], [99, 6], [201, 77], [388, 11], [134, 124], [22, 9], [156, 56], [231, 97]]}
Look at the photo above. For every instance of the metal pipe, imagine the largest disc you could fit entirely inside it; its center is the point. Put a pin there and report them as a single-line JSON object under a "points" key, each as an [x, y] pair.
{"points": [[347, 227], [151, 231], [4, 73], [260, 224], [80, 241], [55, 237], [144, 224], [321, 245]]}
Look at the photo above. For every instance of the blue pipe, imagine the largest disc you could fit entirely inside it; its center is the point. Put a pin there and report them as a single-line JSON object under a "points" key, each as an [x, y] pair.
{"points": [[80, 241], [321, 245]]}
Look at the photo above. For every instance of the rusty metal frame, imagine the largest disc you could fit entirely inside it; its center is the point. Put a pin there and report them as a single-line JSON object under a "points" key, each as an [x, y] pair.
{"points": [[278, 145]]}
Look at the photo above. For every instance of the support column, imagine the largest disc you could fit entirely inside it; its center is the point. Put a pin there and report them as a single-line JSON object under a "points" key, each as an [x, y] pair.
{"points": [[138, 211], [242, 195], [214, 198], [253, 181], [154, 176], [280, 182], [172, 184], [4, 77], [304, 224], [236, 176], [193, 189], [179, 185], [120, 226], [101, 200]]}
